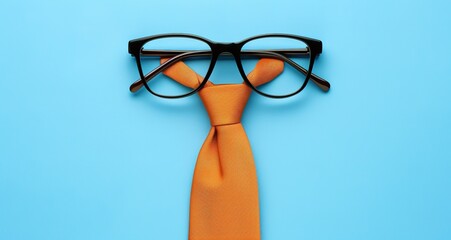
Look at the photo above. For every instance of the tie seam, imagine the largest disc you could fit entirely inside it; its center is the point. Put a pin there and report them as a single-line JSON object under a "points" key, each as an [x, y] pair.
{"points": [[215, 138]]}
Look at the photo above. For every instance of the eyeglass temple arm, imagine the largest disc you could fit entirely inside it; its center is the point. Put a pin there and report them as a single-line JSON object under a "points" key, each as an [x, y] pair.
{"points": [[179, 55], [138, 84], [320, 82], [172, 53]]}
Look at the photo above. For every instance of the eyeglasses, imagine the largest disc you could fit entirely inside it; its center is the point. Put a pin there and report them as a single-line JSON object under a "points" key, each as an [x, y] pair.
{"points": [[298, 53]]}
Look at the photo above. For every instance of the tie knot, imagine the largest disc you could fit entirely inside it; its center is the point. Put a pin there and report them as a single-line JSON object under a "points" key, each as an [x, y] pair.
{"points": [[225, 103]]}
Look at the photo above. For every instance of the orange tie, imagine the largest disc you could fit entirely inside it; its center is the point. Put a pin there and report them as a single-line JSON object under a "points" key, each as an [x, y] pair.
{"points": [[224, 195]]}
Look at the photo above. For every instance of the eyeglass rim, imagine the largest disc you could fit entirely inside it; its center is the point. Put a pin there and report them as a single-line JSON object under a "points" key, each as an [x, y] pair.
{"points": [[314, 46]]}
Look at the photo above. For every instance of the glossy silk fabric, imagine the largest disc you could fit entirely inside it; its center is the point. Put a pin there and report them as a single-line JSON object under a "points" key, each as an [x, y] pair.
{"points": [[224, 196]]}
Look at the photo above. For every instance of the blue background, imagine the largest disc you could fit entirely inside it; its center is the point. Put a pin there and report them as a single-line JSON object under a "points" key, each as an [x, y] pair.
{"points": [[83, 158]]}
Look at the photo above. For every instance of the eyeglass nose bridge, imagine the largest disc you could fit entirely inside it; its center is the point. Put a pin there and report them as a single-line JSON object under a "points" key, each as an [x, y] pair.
{"points": [[228, 49], [231, 48]]}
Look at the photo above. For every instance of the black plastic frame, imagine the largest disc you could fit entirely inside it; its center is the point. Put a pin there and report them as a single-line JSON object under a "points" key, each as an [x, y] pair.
{"points": [[314, 48]]}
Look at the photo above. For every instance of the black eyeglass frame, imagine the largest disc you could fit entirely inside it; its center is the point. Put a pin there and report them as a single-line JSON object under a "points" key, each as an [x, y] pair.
{"points": [[314, 48]]}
